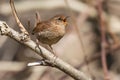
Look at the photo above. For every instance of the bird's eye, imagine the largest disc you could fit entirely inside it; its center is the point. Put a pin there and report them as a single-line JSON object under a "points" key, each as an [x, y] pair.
{"points": [[60, 19]]}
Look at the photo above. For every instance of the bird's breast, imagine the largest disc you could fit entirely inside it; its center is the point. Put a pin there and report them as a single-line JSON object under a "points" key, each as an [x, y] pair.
{"points": [[51, 35]]}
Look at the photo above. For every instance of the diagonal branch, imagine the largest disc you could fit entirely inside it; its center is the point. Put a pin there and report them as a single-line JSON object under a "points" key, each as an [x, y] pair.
{"points": [[57, 62]]}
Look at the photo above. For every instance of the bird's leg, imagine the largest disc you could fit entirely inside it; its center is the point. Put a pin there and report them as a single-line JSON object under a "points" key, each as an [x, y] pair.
{"points": [[55, 55], [44, 61], [51, 49], [37, 46]]}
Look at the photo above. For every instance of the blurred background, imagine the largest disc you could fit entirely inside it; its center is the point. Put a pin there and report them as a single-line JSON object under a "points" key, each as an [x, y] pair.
{"points": [[80, 47]]}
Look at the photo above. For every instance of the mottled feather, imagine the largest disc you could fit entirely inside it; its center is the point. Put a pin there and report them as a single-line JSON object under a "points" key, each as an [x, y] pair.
{"points": [[51, 31]]}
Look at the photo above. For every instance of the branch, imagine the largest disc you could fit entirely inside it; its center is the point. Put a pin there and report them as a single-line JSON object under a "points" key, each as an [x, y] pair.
{"points": [[103, 40], [57, 62]]}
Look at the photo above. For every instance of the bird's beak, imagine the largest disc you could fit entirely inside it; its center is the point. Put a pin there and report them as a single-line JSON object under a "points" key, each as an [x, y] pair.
{"points": [[66, 18]]}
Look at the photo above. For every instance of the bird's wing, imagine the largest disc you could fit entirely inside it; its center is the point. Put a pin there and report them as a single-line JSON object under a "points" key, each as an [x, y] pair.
{"points": [[40, 27]]}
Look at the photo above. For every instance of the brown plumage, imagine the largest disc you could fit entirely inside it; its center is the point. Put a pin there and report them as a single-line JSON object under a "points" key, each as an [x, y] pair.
{"points": [[51, 31]]}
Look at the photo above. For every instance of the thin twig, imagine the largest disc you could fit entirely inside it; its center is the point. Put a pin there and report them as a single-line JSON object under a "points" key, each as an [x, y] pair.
{"points": [[22, 28], [103, 41], [42, 62]]}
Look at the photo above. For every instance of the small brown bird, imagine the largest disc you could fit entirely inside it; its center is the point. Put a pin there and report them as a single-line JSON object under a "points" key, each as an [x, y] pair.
{"points": [[51, 31]]}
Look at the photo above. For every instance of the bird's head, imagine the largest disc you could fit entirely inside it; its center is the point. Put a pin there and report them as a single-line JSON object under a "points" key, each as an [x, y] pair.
{"points": [[59, 20]]}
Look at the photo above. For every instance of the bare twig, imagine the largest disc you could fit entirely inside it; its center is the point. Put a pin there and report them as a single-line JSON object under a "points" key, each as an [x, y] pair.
{"points": [[42, 62], [57, 62], [22, 28], [38, 63], [103, 40]]}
